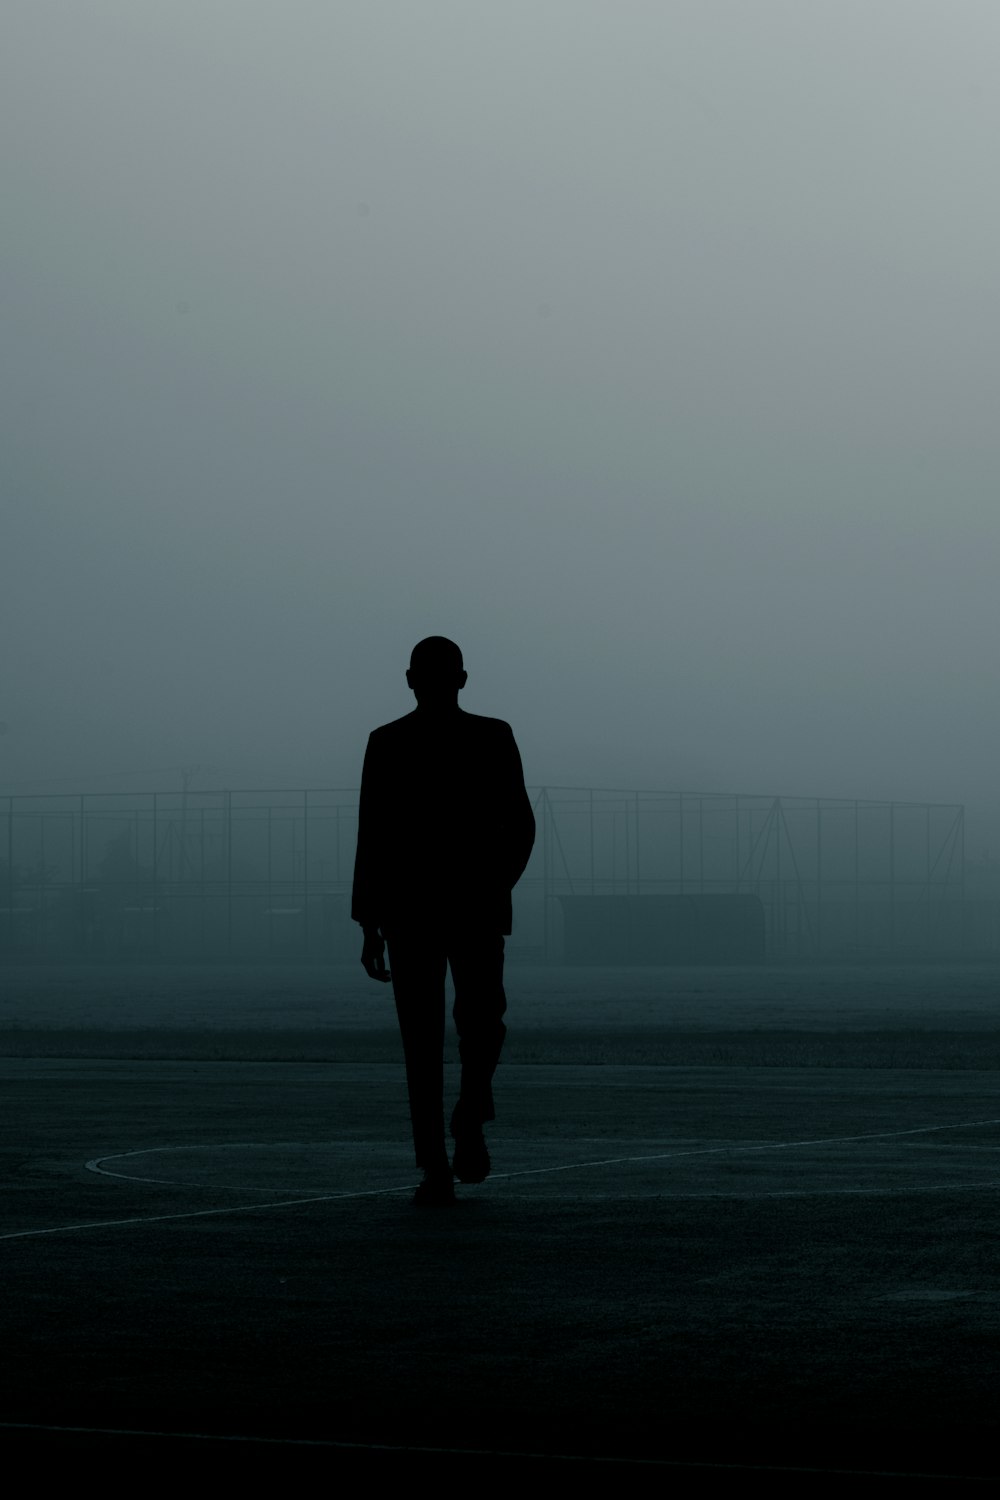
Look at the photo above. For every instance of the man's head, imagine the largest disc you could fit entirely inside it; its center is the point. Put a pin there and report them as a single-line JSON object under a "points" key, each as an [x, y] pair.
{"points": [[436, 672]]}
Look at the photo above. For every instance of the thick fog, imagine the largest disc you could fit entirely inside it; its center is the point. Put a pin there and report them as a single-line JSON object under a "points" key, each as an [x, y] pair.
{"points": [[648, 350]]}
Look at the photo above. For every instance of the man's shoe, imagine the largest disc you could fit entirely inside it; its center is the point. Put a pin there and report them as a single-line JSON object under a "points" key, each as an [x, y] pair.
{"points": [[436, 1191], [471, 1162]]}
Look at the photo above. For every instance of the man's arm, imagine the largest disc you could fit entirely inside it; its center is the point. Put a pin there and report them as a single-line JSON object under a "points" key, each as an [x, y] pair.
{"points": [[520, 822], [365, 895]]}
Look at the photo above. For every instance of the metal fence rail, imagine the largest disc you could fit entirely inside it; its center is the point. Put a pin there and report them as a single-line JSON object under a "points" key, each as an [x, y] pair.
{"points": [[252, 874], [836, 878]]}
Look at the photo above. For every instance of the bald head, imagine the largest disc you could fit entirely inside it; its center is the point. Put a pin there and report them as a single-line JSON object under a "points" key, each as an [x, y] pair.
{"points": [[436, 673], [436, 654]]}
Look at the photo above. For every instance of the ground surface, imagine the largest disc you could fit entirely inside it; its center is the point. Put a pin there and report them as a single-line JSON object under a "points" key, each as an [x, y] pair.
{"points": [[736, 1218]]}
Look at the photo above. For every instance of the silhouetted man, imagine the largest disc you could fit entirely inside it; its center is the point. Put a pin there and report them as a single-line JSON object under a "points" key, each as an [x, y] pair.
{"points": [[445, 829]]}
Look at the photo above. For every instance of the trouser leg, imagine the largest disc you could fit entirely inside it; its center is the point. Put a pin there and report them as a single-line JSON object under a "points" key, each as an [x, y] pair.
{"points": [[418, 967], [477, 971]]}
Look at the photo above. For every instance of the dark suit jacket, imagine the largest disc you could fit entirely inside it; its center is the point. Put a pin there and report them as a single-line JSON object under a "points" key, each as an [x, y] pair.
{"points": [[445, 826]]}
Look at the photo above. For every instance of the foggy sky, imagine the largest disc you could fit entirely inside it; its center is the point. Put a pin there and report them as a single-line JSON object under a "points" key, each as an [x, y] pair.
{"points": [[648, 350]]}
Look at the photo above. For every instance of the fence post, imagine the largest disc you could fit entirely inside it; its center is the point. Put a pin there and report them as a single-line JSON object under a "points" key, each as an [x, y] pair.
{"points": [[819, 880], [155, 889], [10, 871], [305, 872], [543, 803], [638, 888], [229, 873], [892, 878]]}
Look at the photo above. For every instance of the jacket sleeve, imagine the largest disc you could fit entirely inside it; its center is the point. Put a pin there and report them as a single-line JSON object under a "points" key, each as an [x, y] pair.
{"points": [[520, 826], [365, 901]]}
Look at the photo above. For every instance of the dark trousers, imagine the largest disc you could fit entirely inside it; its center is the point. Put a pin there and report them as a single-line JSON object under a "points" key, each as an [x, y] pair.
{"points": [[418, 963]]}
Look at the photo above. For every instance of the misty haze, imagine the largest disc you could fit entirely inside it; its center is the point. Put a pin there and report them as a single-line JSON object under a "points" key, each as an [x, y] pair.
{"points": [[645, 352], [653, 362]]}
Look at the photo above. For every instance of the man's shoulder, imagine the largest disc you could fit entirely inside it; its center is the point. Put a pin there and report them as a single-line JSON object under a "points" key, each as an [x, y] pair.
{"points": [[481, 724], [465, 723], [394, 729], [395, 724]]}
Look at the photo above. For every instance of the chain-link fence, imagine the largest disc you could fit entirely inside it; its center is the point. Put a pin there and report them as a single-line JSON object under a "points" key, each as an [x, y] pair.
{"points": [[267, 874]]}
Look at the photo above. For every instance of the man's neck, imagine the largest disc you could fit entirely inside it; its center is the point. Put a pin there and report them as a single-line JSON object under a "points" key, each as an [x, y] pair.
{"points": [[449, 709]]}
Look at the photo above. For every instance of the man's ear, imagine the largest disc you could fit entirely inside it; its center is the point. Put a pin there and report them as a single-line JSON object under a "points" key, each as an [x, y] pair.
{"points": [[409, 684], [463, 679]]}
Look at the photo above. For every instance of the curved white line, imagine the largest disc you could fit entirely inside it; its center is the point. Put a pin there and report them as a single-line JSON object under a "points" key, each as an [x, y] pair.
{"points": [[96, 1164], [831, 1140], [610, 1161]]}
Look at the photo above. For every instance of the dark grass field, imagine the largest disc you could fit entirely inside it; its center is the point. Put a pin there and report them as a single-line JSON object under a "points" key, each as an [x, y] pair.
{"points": [[740, 1221]]}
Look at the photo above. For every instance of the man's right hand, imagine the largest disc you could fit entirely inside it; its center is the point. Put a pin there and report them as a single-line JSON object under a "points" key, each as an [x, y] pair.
{"points": [[373, 956]]}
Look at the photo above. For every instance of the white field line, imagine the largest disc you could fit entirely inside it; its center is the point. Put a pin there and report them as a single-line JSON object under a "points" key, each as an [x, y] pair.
{"points": [[96, 1165]]}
